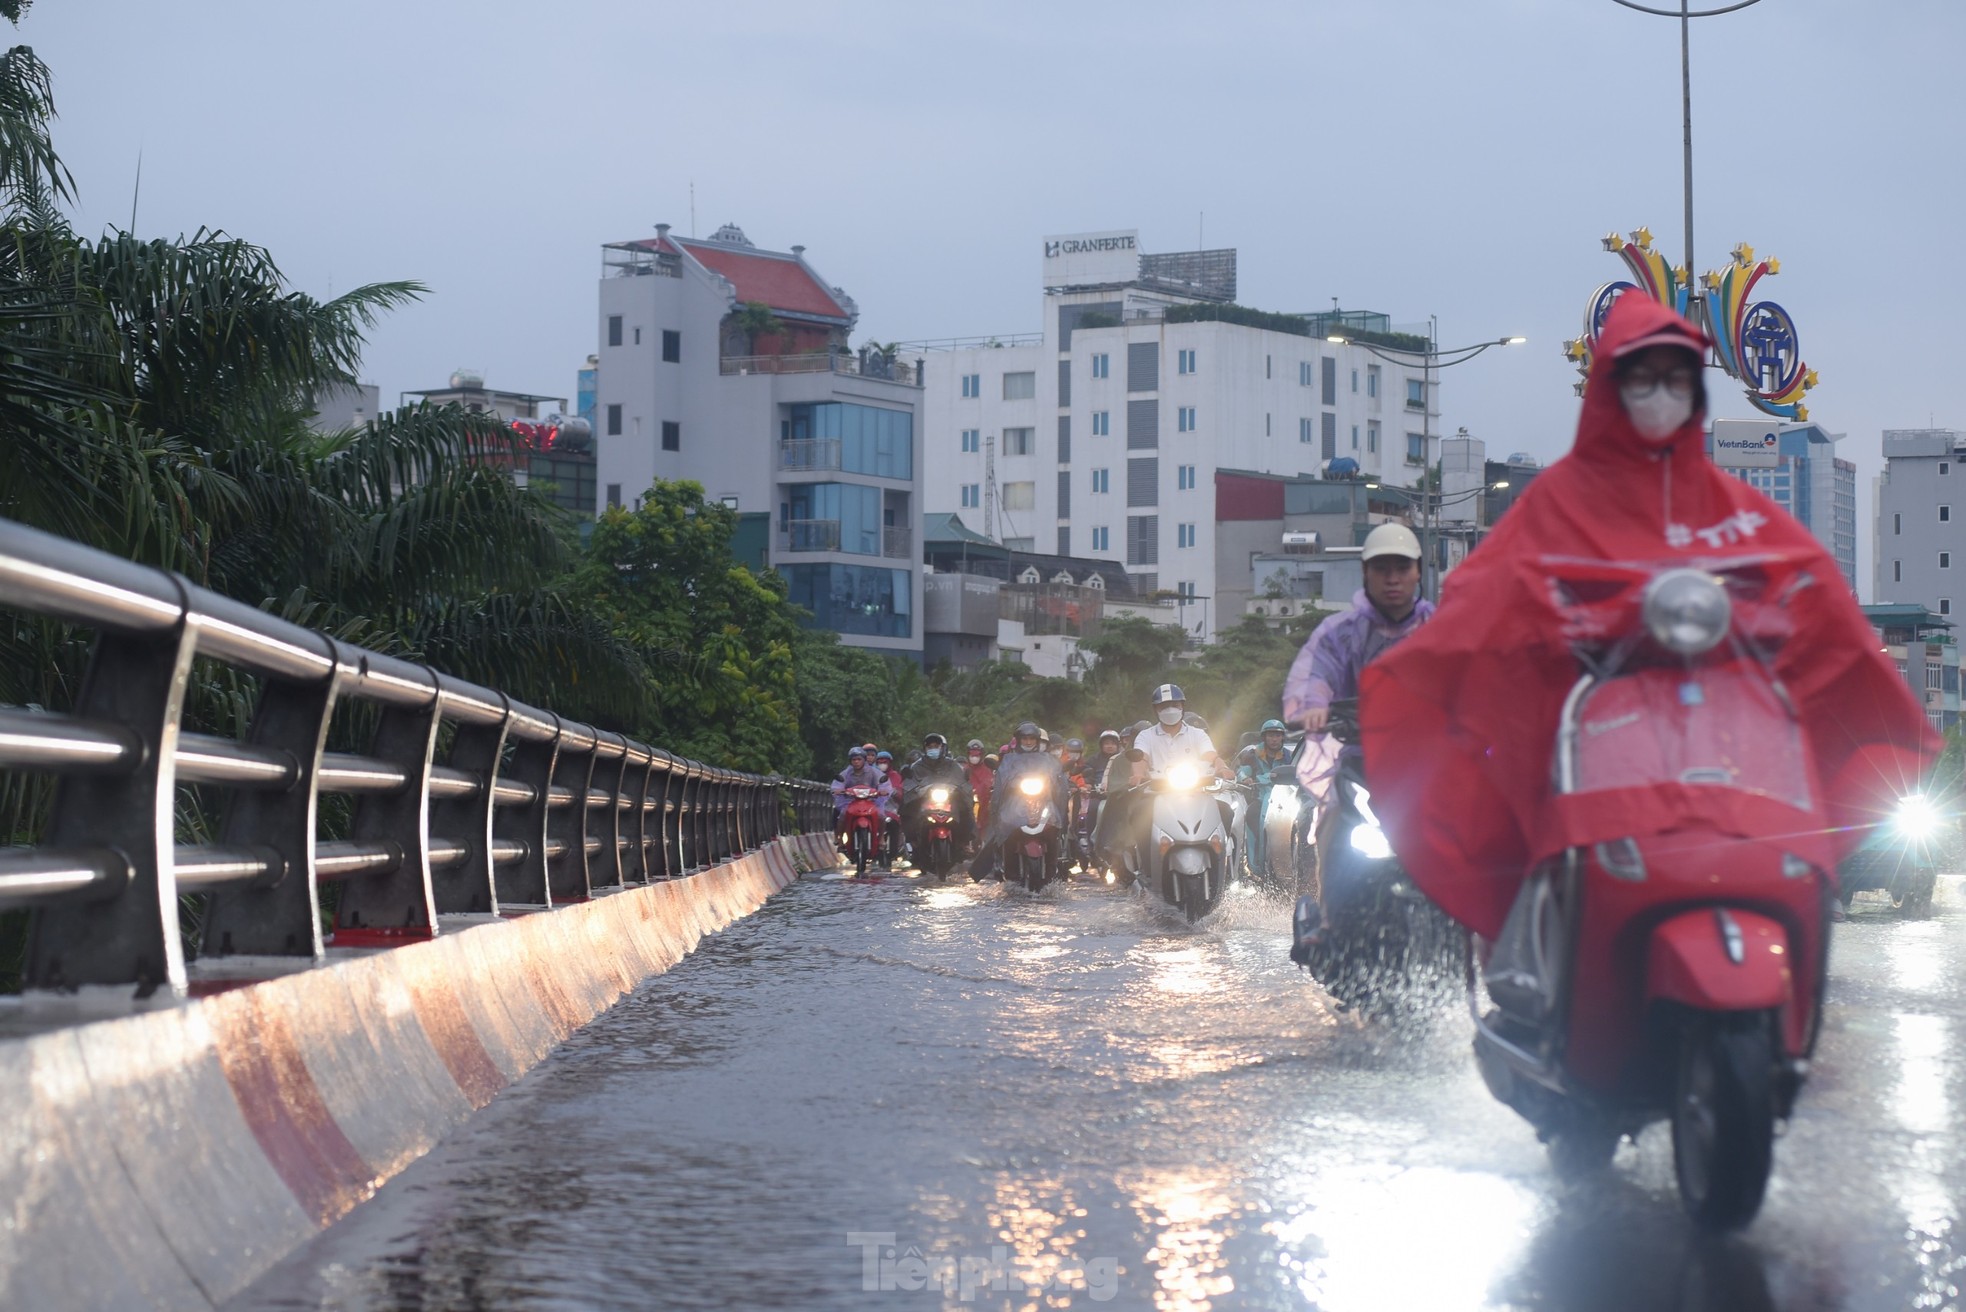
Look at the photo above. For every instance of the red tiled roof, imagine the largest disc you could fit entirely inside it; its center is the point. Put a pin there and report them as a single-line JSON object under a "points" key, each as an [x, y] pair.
{"points": [[780, 281]]}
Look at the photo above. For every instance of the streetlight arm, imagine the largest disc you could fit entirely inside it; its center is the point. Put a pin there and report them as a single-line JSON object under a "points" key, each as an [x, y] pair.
{"points": [[1696, 13]]}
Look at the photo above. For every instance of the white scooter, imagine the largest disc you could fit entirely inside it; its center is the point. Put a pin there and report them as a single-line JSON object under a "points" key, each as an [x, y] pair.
{"points": [[1190, 851]]}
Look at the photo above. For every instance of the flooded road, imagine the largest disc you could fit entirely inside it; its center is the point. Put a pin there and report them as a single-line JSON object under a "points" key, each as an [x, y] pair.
{"points": [[901, 1096]]}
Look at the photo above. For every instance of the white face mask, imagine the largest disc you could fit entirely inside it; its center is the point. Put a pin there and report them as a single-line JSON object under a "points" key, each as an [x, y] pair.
{"points": [[1170, 715], [933, 753], [1658, 414]]}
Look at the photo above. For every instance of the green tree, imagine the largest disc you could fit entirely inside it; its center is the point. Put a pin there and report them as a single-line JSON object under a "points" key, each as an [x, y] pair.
{"points": [[717, 639]]}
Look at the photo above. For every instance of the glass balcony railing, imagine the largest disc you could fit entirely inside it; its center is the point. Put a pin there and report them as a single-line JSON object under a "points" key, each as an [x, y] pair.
{"points": [[809, 535], [809, 453]]}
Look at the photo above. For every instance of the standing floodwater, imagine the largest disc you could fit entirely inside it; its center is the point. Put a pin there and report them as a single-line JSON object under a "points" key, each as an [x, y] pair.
{"points": [[901, 1095]]}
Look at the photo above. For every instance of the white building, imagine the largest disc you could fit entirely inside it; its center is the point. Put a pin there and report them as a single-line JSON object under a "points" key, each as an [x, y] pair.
{"points": [[1920, 546], [1102, 433], [728, 365]]}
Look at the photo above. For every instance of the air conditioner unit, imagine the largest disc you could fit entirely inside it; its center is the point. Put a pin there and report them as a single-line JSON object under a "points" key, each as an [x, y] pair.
{"points": [[1300, 539]]}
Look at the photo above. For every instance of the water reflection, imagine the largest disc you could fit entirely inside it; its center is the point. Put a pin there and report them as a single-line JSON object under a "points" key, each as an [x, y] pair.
{"points": [[1186, 1216]]}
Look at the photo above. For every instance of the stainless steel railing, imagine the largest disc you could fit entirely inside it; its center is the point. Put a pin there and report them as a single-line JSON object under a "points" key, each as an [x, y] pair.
{"points": [[464, 801]]}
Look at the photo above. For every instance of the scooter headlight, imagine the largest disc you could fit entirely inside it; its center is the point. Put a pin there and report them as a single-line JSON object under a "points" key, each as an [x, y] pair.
{"points": [[1031, 786], [1183, 778], [1368, 837], [1687, 611], [938, 797], [1916, 818]]}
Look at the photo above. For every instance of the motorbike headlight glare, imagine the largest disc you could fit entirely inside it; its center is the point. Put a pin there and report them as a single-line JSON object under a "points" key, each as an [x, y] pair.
{"points": [[1183, 778], [1362, 799], [1031, 786], [1916, 818], [1369, 841], [1687, 611], [938, 796]]}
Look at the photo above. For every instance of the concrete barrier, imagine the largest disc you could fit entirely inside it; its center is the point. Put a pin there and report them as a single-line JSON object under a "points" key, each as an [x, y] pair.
{"points": [[168, 1158]]}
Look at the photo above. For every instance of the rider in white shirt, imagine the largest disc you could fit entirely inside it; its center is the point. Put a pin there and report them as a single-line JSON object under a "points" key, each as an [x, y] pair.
{"points": [[1170, 742]]}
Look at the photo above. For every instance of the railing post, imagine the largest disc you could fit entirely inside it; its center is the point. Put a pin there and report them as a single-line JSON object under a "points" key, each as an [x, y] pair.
{"points": [[280, 917], [610, 773], [694, 831], [534, 754], [566, 825], [129, 936], [471, 884], [637, 782], [671, 857], [396, 905]]}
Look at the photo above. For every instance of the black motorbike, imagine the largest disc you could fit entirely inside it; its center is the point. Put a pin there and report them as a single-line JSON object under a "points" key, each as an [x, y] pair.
{"points": [[1034, 838], [1361, 927]]}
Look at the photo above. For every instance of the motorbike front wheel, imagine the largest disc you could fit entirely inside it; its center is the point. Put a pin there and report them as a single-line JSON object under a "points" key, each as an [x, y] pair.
{"points": [[860, 853], [1723, 1117]]}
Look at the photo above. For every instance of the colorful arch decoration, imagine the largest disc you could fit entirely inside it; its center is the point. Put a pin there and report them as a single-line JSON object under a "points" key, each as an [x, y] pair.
{"points": [[1755, 342]]}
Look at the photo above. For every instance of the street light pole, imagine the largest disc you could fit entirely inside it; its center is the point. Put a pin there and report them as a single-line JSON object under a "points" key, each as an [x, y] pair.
{"points": [[1686, 14]]}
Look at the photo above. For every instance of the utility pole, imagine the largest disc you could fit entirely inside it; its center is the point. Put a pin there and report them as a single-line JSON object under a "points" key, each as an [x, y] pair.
{"points": [[990, 487]]}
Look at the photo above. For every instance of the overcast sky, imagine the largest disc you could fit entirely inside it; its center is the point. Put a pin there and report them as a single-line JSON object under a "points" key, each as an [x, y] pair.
{"points": [[1458, 158]]}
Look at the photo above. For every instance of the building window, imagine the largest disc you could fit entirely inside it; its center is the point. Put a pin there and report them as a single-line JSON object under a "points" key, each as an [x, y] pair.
{"points": [[638, 336], [1945, 605], [972, 385], [1329, 377], [614, 496], [1064, 439], [672, 435], [1184, 361], [1266, 423], [1897, 571], [863, 439], [1327, 435], [1064, 541], [1416, 449], [1143, 481], [1372, 381], [1934, 674], [1266, 366], [614, 330], [1102, 539], [1303, 373], [1945, 560], [1372, 437], [614, 421], [1102, 366], [1102, 423], [1185, 589], [1354, 382], [1184, 477], [972, 441], [1184, 419], [1416, 394], [672, 346], [1064, 500], [1354, 437], [972, 495], [1102, 480], [1897, 525], [1064, 385], [1143, 540], [1184, 535], [1143, 366], [1945, 514], [1020, 496], [862, 599], [1019, 441], [1020, 386]]}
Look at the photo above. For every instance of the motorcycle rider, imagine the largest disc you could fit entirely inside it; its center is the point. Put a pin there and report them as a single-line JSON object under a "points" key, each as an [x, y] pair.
{"points": [[1027, 756], [936, 768], [1169, 742], [982, 778], [1459, 720], [897, 787], [1264, 766], [860, 772]]}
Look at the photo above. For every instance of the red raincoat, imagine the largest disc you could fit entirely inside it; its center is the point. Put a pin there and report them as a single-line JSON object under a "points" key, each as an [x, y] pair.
{"points": [[1460, 719]]}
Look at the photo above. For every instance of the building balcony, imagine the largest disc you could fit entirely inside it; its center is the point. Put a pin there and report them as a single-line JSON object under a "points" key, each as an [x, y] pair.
{"points": [[867, 364], [898, 543], [821, 453], [809, 535]]}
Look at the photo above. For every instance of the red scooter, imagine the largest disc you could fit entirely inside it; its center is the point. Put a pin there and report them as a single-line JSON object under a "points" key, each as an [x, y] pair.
{"points": [[864, 820], [1679, 974]]}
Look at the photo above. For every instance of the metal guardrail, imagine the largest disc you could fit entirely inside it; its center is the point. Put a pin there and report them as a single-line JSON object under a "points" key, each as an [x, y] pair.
{"points": [[522, 809]]}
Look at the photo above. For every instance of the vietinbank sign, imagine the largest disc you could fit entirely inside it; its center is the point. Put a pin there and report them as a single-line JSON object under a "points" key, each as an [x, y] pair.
{"points": [[1746, 443], [1091, 258]]}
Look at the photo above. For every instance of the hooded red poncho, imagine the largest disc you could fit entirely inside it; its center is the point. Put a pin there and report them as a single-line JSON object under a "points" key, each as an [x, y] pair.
{"points": [[1460, 720]]}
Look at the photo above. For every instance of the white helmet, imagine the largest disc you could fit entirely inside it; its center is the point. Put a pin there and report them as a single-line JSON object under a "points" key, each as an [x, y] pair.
{"points": [[1391, 540]]}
